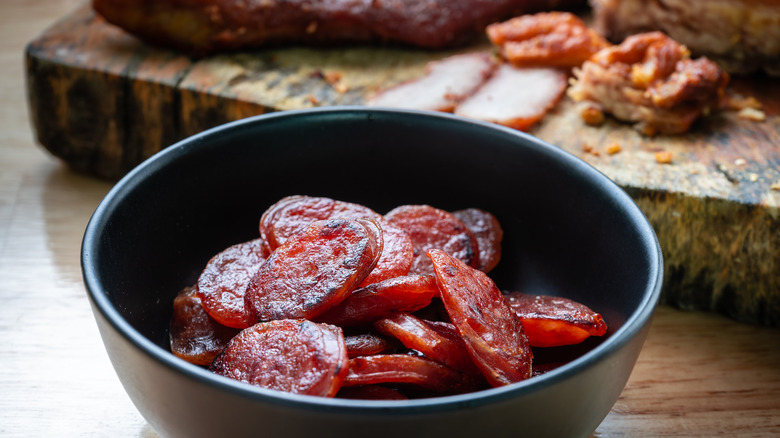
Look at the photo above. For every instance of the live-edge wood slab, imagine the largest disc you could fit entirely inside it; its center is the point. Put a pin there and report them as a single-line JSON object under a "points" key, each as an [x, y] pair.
{"points": [[103, 101]]}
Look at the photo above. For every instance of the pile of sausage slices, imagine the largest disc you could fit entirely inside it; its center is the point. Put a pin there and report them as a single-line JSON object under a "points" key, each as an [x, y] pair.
{"points": [[335, 300]]}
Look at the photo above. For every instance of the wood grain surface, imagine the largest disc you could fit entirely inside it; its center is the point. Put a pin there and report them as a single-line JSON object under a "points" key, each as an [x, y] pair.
{"points": [[103, 101], [699, 374]]}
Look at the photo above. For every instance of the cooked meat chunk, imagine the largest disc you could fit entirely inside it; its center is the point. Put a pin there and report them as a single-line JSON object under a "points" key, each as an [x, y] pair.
{"points": [[741, 35], [206, 26], [559, 39], [650, 80]]}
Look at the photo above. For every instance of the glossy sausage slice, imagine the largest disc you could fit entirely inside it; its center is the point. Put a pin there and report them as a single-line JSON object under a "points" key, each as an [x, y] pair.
{"points": [[488, 232], [554, 321], [293, 214], [435, 339], [490, 328], [397, 255], [314, 270], [431, 227], [401, 294], [194, 335], [224, 280], [404, 369], [297, 356]]}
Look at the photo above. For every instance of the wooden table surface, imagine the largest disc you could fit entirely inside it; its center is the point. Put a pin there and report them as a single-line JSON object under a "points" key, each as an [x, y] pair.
{"points": [[699, 374]]}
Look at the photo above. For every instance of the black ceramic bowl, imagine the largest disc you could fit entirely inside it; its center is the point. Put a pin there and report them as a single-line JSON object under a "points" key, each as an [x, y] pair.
{"points": [[569, 231]]}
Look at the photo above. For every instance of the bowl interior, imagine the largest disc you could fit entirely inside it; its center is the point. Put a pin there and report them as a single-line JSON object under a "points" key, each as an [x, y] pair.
{"points": [[569, 231]]}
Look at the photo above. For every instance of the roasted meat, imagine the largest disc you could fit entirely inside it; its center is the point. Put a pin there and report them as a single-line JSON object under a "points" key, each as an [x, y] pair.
{"points": [[559, 39], [517, 97], [476, 86], [206, 26], [650, 80], [741, 35], [446, 82]]}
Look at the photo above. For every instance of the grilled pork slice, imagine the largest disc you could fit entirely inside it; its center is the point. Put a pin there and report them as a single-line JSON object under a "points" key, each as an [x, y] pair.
{"points": [[515, 97], [445, 83], [206, 26], [741, 35], [650, 80]]}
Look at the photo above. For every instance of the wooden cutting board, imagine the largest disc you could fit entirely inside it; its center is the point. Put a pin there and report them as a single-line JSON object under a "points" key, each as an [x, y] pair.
{"points": [[102, 101]]}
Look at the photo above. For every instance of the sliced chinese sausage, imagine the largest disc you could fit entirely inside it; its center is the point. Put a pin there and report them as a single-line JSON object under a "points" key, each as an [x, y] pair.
{"points": [[290, 215], [401, 294], [314, 270], [397, 255], [437, 340], [490, 328], [404, 369], [429, 228], [297, 356], [551, 321], [293, 214], [488, 232], [366, 344], [224, 280], [194, 335]]}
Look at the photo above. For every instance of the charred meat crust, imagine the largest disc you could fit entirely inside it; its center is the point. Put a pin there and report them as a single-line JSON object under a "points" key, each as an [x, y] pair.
{"points": [[200, 27]]}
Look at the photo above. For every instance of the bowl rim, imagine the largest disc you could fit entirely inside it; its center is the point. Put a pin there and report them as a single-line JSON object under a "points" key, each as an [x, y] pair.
{"points": [[635, 323]]}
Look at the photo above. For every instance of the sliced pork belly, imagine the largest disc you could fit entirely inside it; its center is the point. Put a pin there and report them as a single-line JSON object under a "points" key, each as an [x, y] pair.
{"points": [[515, 97], [445, 83]]}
